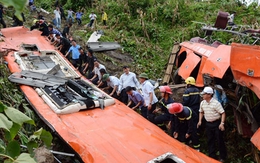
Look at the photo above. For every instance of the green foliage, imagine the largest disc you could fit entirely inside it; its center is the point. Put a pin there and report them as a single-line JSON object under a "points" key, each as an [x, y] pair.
{"points": [[17, 4], [11, 121]]}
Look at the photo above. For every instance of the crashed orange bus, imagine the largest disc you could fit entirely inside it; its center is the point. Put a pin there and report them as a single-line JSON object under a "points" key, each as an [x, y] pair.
{"points": [[236, 68], [96, 126]]}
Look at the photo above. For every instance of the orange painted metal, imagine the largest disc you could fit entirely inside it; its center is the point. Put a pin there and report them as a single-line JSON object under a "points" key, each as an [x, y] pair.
{"points": [[213, 61], [199, 79], [244, 63], [218, 62], [189, 64], [115, 134], [201, 49], [255, 139]]}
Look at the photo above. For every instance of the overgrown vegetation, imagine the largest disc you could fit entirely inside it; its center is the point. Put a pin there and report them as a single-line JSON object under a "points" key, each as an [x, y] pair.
{"points": [[147, 30]]}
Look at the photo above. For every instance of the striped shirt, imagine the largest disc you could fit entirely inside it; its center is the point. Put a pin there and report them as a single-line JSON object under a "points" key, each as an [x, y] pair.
{"points": [[128, 80], [212, 110]]}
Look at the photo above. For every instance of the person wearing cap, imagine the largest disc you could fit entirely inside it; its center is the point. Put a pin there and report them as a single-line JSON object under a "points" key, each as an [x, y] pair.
{"points": [[136, 101], [191, 95], [112, 84], [90, 64], [102, 83], [185, 126], [74, 49], [191, 98], [126, 79], [165, 116], [149, 96], [215, 116], [96, 79]]}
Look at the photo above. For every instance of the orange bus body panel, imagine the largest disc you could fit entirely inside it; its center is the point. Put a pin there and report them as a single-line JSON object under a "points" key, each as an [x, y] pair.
{"points": [[255, 139], [218, 62], [244, 63], [214, 61], [115, 134], [189, 64], [199, 79]]}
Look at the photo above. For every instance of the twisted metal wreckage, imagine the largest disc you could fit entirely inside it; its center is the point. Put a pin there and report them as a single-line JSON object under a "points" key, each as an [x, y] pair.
{"points": [[235, 67], [68, 103]]}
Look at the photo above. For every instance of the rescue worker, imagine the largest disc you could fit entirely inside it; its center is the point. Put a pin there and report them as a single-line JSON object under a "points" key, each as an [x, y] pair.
{"points": [[165, 116], [185, 126], [191, 97]]}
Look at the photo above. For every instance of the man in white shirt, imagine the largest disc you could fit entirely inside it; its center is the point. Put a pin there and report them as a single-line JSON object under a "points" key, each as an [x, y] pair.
{"points": [[126, 79], [150, 100], [112, 84], [70, 16], [92, 18], [57, 17], [96, 79]]}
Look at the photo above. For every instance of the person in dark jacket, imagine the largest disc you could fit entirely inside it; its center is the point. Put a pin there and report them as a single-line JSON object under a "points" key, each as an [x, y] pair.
{"points": [[2, 11], [90, 65], [44, 28], [185, 126], [66, 30], [165, 116], [64, 45], [191, 96], [83, 60], [18, 22]]}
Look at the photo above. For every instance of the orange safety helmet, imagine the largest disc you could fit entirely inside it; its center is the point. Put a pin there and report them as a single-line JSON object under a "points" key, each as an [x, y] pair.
{"points": [[174, 108], [165, 89]]}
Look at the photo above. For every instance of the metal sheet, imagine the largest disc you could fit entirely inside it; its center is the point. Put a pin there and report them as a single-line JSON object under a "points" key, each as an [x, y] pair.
{"points": [[255, 139], [103, 46], [218, 62], [189, 64], [244, 63]]}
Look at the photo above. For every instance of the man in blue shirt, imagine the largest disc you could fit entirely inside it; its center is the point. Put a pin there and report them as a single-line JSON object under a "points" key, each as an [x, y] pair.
{"points": [[74, 49], [78, 17], [136, 101], [53, 30]]}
